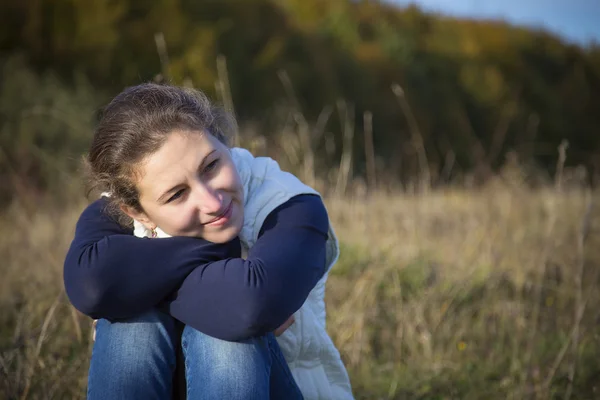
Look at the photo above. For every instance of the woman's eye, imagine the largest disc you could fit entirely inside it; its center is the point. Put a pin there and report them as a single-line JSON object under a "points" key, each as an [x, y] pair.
{"points": [[211, 166], [176, 195]]}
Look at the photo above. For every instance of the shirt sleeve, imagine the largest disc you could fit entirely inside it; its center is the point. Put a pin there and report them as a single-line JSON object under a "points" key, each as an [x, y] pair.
{"points": [[236, 298], [109, 273]]}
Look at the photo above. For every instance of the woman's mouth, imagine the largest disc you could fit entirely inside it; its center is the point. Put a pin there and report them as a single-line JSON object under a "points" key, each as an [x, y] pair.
{"points": [[223, 218]]}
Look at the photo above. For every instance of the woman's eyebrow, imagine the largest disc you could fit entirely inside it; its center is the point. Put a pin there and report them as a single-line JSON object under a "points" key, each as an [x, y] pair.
{"points": [[205, 157], [165, 194]]}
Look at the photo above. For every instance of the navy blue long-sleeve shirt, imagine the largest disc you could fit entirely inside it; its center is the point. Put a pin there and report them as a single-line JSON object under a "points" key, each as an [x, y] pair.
{"points": [[109, 273]]}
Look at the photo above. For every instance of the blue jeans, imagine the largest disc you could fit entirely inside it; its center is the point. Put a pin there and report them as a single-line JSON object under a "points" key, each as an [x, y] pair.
{"points": [[136, 359]]}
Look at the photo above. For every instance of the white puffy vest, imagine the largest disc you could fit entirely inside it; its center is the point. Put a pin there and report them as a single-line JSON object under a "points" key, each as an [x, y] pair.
{"points": [[313, 358]]}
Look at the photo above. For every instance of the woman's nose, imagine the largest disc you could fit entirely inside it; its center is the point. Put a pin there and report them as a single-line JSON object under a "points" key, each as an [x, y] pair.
{"points": [[208, 201]]}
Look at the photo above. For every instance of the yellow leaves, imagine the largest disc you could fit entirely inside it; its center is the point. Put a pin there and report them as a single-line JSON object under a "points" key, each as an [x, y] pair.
{"points": [[95, 23], [470, 46], [197, 62], [269, 53], [369, 52], [484, 82], [307, 14]]}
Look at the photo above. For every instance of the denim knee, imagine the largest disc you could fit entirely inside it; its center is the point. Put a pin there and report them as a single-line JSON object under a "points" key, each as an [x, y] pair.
{"points": [[220, 369], [134, 358]]}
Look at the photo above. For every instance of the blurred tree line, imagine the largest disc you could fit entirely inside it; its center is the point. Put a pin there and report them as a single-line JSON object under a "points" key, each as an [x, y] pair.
{"points": [[446, 96]]}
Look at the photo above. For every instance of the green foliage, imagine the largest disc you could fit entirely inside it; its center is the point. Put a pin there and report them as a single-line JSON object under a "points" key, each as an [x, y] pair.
{"points": [[420, 328], [477, 89], [45, 126]]}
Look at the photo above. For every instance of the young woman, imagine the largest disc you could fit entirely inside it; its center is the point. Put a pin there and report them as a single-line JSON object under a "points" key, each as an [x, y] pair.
{"points": [[161, 153]]}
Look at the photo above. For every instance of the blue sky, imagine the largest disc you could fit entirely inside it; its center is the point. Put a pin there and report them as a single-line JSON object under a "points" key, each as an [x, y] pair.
{"points": [[577, 21]]}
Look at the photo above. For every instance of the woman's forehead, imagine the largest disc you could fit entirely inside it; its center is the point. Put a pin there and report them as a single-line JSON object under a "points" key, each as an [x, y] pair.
{"points": [[181, 155]]}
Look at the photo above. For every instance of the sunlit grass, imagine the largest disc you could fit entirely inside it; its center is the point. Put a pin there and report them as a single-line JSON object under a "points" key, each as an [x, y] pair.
{"points": [[434, 297], [437, 296]]}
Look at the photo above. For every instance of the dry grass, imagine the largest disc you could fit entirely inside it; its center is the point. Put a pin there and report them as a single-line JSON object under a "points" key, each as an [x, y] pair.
{"points": [[468, 294], [43, 341], [450, 295]]}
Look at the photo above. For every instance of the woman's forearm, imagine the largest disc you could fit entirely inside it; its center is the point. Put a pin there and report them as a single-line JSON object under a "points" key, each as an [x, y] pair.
{"points": [[109, 273], [235, 299]]}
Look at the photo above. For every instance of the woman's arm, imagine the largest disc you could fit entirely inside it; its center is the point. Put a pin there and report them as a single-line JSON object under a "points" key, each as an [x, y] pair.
{"points": [[109, 273], [237, 298]]}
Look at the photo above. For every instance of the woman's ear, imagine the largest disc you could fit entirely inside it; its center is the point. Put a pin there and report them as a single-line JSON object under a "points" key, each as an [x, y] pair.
{"points": [[139, 216]]}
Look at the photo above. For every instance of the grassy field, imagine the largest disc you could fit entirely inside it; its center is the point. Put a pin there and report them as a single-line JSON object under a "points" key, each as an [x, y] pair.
{"points": [[487, 294]]}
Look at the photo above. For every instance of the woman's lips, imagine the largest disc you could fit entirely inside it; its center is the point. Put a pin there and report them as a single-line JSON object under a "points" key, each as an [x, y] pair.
{"points": [[223, 218]]}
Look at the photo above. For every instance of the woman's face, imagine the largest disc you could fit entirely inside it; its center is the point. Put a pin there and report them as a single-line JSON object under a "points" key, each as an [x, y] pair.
{"points": [[190, 187]]}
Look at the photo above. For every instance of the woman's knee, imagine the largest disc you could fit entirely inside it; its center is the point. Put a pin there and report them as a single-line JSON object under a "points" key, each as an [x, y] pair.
{"points": [[134, 357], [219, 352], [152, 328], [232, 369]]}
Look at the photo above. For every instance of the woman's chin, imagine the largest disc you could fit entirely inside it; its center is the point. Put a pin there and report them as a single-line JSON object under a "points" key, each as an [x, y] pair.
{"points": [[223, 236]]}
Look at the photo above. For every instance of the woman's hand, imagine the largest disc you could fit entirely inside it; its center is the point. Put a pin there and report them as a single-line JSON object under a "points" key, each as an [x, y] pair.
{"points": [[94, 323], [279, 331]]}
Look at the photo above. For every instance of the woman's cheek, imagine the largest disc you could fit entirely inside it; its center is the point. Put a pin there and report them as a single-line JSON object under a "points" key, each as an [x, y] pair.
{"points": [[183, 222], [234, 182]]}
